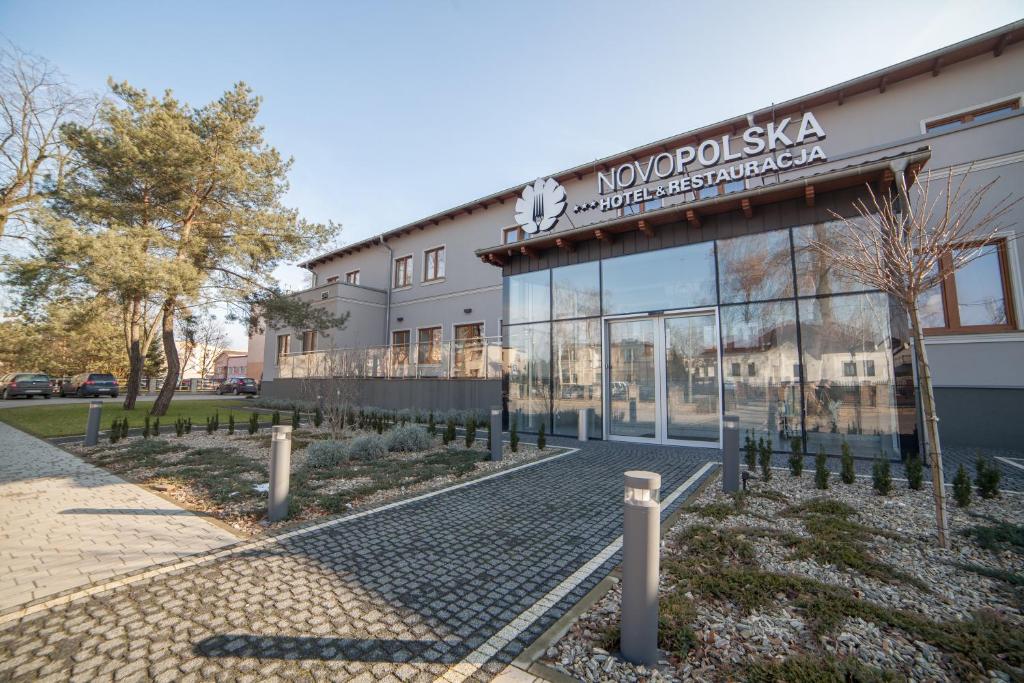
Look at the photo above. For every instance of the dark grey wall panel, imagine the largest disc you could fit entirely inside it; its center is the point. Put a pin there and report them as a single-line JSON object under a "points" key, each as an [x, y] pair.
{"points": [[394, 394], [983, 417]]}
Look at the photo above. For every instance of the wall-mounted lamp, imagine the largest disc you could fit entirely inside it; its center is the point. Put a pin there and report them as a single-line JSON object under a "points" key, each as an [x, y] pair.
{"points": [[467, 311], [399, 318]]}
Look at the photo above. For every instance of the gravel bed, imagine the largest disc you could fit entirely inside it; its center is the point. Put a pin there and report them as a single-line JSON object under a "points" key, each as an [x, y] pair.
{"points": [[729, 640]]}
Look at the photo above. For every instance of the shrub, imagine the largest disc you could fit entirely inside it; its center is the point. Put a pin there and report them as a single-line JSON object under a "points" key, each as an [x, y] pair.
{"points": [[188, 426], [295, 418], [881, 477], [367, 448], [115, 431], [489, 436], [145, 427], [124, 428], [796, 457], [407, 438], [541, 441], [326, 453], [846, 470], [962, 487], [915, 472], [987, 477], [231, 423], [513, 436], [156, 427], [449, 431], [179, 427], [318, 417], [431, 425], [275, 419], [765, 459], [750, 449], [821, 471], [470, 430], [254, 423]]}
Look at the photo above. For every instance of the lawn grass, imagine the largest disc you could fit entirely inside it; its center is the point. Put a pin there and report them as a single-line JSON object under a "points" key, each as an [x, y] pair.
{"points": [[49, 421]]}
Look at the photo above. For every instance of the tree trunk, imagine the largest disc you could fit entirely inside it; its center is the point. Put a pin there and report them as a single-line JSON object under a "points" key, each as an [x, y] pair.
{"points": [[931, 422], [135, 358], [163, 400]]}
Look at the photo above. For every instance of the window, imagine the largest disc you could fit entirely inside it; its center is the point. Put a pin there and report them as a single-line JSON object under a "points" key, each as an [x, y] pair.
{"points": [[680, 277], [721, 188], [469, 351], [849, 369], [400, 351], [324, 296], [642, 207], [403, 271], [869, 368], [977, 297], [332, 279], [284, 343], [796, 370], [977, 115], [751, 369], [512, 235], [352, 277], [428, 351], [309, 341], [735, 370], [433, 264]]}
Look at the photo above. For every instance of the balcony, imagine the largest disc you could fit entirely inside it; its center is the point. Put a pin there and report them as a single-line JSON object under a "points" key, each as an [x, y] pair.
{"points": [[479, 358]]}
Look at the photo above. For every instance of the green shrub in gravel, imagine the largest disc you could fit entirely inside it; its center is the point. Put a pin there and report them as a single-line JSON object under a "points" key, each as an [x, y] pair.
{"points": [[369, 447], [179, 427], [817, 669], [275, 418], [915, 472], [115, 431], [152, 447], [470, 430], [431, 425], [188, 425], [124, 428], [821, 471], [156, 427], [318, 417], [145, 427], [881, 476], [407, 439], [846, 471], [765, 459], [988, 476], [449, 431], [796, 457], [231, 423], [254, 423], [513, 436], [962, 487], [750, 451], [542, 441], [326, 453]]}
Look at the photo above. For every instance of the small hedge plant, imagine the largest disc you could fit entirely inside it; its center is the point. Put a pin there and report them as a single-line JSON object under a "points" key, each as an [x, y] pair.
{"points": [[407, 439], [915, 472], [846, 471], [881, 476], [987, 477], [962, 487], [796, 457], [765, 458], [821, 471]]}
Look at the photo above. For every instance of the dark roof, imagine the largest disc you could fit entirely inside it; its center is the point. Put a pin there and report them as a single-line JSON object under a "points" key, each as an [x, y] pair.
{"points": [[994, 42]]}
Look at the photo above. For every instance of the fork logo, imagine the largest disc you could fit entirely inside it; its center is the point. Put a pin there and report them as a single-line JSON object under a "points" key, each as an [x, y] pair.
{"points": [[541, 204]]}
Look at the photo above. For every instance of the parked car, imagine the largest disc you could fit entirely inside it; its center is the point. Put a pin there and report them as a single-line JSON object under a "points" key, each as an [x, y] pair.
{"points": [[238, 385], [27, 384], [90, 384]]}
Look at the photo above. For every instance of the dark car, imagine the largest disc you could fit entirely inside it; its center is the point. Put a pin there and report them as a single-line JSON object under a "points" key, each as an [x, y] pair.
{"points": [[238, 385], [27, 384], [90, 384]]}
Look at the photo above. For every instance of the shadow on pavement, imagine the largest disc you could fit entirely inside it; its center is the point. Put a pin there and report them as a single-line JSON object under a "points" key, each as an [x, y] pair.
{"points": [[348, 649]]}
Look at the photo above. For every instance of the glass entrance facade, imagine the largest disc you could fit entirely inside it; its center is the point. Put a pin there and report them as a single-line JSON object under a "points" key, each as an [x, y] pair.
{"points": [[756, 326]]}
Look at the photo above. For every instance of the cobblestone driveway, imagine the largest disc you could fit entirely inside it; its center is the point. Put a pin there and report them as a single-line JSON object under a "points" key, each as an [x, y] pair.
{"points": [[402, 594]]}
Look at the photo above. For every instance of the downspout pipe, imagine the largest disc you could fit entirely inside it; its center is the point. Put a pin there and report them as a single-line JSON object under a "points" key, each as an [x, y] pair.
{"points": [[391, 277]]}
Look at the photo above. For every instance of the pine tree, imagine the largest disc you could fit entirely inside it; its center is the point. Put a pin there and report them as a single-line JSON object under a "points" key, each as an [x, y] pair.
{"points": [[796, 457], [231, 423], [765, 460], [915, 472], [881, 476], [962, 487], [541, 441], [821, 471], [513, 436], [470, 430], [846, 466]]}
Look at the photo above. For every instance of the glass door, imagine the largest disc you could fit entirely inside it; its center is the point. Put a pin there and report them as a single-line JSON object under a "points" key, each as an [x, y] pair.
{"points": [[692, 383], [663, 379], [633, 350]]}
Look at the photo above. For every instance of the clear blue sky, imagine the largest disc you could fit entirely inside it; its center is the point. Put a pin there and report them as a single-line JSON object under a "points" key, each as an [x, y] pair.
{"points": [[395, 110]]}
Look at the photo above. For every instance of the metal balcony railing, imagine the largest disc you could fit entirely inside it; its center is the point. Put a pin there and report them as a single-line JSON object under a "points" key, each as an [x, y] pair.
{"points": [[478, 358]]}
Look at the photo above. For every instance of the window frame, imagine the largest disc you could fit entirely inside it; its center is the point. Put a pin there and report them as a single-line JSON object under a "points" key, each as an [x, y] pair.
{"points": [[279, 352], [311, 335], [409, 272], [440, 341], [643, 207], [518, 230], [951, 303], [332, 279], [966, 116], [395, 346], [352, 281], [441, 250]]}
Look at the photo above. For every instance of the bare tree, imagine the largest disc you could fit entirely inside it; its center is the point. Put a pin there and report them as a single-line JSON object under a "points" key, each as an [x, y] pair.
{"points": [[906, 247], [204, 339], [35, 101]]}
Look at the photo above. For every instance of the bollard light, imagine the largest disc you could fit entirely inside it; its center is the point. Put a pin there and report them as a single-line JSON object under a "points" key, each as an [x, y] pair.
{"points": [[640, 567], [496, 444], [92, 423], [583, 427], [280, 471], [730, 453]]}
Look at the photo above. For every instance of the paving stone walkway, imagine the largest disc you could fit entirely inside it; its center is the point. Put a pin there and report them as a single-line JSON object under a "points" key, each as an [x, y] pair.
{"points": [[450, 585], [65, 523]]}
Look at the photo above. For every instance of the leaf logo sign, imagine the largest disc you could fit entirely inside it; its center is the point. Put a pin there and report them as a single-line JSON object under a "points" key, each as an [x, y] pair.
{"points": [[540, 206]]}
